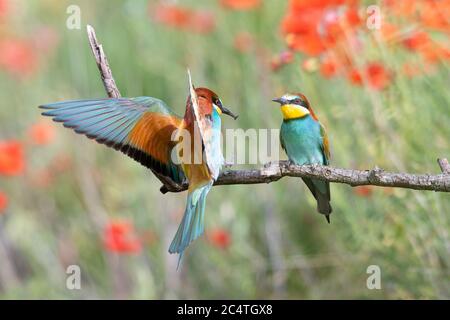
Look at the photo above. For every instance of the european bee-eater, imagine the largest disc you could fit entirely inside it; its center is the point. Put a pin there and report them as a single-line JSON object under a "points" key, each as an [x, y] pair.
{"points": [[144, 129], [305, 141]]}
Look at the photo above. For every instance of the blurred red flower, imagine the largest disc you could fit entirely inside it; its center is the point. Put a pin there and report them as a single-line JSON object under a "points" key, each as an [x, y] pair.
{"points": [[41, 133], [312, 27], [435, 15], [219, 238], [352, 17], [378, 76], [243, 42], [363, 191], [328, 67], [12, 161], [404, 8], [354, 76], [389, 32], [17, 57], [434, 52], [120, 237], [203, 22], [241, 4], [375, 74], [281, 59], [3, 202], [309, 43], [183, 18], [416, 41]]}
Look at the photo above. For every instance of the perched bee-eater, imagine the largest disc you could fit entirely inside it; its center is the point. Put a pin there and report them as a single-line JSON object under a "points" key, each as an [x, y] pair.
{"points": [[144, 129], [305, 141]]}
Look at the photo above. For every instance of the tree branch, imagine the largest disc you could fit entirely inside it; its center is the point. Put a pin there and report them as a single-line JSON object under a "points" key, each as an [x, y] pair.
{"points": [[276, 170], [445, 166], [102, 64]]}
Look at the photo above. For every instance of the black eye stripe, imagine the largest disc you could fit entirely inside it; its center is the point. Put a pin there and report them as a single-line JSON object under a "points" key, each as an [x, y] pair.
{"points": [[300, 102]]}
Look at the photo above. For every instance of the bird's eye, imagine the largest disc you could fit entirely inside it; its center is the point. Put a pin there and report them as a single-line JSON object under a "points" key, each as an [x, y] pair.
{"points": [[218, 103], [300, 102]]}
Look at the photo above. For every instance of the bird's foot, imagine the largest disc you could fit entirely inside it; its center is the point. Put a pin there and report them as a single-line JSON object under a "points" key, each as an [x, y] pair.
{"points": [[228, 164]]}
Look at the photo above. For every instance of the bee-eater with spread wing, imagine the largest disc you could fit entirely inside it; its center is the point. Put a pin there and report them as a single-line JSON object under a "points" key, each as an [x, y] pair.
{"points": [[305, 141], [144, 129]]}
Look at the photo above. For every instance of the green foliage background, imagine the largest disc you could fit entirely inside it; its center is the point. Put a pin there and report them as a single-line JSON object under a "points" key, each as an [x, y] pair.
{"points": [[280, 248]]}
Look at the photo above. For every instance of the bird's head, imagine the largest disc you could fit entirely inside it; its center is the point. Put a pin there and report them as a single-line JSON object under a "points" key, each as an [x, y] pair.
{"points": [[208, 101], [294, 106]]}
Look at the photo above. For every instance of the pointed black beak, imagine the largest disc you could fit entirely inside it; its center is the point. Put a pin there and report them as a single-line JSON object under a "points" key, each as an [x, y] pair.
{"points": [[279, 100], [228, 112]]}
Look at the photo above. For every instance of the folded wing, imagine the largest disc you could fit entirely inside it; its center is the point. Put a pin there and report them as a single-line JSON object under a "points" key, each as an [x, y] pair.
{"points": [[140, 127]]}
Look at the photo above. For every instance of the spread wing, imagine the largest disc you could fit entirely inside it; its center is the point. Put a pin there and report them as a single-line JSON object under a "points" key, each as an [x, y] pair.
{"points": [[140, 127]]}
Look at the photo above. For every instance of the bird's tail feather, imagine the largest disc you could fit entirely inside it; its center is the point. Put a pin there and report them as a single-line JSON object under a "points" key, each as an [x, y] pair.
{"points": [[321, 191], [191, 226]]}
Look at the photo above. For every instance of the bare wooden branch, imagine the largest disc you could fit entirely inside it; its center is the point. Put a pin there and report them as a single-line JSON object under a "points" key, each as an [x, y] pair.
{"points": [[102, 64], [445, 166], [376, 177], [276, 170]]}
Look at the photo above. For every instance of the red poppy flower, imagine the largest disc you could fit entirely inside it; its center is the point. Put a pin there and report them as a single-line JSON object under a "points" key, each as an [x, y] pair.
{"points": [[281, 59], [298, 5], [219, 238], [416, 41], [352, 17], [3, 202], [354, 76], [41, 133], [184, 18], [389, 32], [310, 43], [241, 4], [12, 161], [434, 52], [202, 22], [328, 67], [363, 191], [120, 237], [434, 15], [312, 27], [17, 57], [377, 75], [404, 8]]}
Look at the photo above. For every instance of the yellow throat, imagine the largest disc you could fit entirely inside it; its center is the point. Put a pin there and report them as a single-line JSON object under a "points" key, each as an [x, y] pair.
{"points": [[292, 111]]}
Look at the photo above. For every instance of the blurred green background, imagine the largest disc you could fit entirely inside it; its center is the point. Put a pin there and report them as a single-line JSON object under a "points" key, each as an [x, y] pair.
{"points": [[262, 241]]}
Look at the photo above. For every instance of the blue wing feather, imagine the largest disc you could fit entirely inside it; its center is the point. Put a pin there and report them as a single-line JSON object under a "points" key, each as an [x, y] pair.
{"points": [[110, 121]]}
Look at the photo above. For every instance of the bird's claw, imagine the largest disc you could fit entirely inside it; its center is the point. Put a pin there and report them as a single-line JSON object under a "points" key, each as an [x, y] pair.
{"points": [[228, 164]]}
